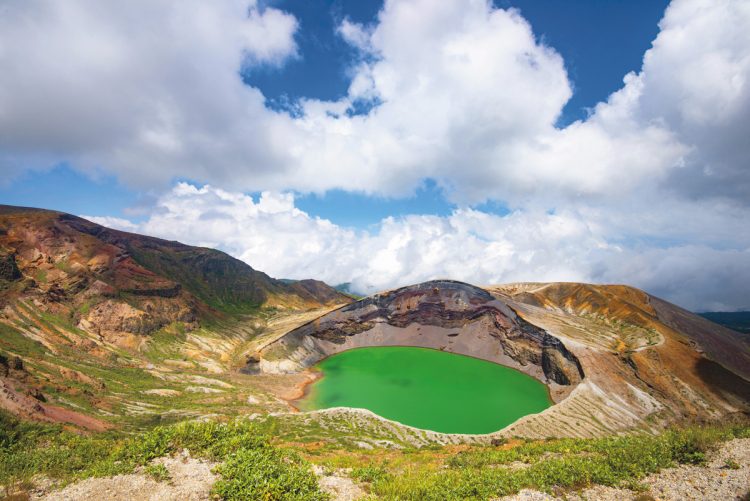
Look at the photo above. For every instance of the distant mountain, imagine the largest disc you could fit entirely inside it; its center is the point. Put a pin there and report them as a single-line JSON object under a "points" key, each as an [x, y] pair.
{"points": [[736, 320], [124, 282], [346, 288]]}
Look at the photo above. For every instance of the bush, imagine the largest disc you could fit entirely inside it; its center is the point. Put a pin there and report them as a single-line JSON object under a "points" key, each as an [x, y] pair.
{"points": [[158, 472], [204, 438], [481, 473], [267, 474], [370, 473], [254, 469]]}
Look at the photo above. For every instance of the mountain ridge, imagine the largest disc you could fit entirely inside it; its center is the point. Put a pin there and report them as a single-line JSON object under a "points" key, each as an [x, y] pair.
{"points": [[614, 358], [103, 324], [146, 266]]}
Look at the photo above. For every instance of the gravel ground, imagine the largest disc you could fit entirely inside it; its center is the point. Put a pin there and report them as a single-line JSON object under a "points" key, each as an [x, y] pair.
{"points": [[338, 485], [716, 481], [191, 480]]}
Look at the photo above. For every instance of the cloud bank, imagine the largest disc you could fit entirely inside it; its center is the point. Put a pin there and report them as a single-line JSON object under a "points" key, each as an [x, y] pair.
{"points": [[652, 188], [272, 235]]}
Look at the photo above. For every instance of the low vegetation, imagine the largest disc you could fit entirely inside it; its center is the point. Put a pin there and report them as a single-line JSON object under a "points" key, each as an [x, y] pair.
{"points": [[482, 473], [254, 464], [252, 468]]}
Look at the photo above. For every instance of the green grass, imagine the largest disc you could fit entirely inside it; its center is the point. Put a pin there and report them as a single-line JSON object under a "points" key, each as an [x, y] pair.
{"points": [[483, 473], [12, 340], [263, 474], [84, 309], [158, 472], [252, 469], [255, 465], [55, 323], [63, 265], [41, 276]]}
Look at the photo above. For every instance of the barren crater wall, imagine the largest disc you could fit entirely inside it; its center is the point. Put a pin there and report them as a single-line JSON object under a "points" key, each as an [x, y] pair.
{"points": [[444, 315]]}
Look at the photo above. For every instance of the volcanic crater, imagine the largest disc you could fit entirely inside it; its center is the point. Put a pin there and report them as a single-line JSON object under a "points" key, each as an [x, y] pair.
{"points": [[607, 372]]}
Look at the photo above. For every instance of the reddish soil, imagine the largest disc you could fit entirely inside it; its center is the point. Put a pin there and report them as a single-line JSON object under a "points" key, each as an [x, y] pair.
{"points": [[30, 408]]}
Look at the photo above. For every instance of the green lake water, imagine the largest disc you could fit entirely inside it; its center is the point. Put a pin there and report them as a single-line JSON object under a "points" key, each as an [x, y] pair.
{"points": [[428, 389]]}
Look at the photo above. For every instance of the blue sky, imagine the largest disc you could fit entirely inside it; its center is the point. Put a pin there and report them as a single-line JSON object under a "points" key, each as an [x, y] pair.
{"points": [[389, 143], [600, 42]]}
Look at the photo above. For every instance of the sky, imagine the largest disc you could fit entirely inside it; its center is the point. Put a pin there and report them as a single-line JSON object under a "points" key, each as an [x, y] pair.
{"points": [[387, 143]]}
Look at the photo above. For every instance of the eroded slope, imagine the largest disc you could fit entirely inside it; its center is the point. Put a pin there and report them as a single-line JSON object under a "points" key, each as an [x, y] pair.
{"points": [[615, 358], [445, 315], [128, 328]]}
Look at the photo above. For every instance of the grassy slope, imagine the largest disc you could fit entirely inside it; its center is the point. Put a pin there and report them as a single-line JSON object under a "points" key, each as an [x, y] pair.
{"points": [[257, 464], [219, 280], [120, 388]]}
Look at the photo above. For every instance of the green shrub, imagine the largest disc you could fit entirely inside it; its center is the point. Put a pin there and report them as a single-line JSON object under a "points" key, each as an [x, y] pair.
{"points": [[731, 464], [267, 474], [158, 472], [204, 438], [482, 473], [370, 473]]}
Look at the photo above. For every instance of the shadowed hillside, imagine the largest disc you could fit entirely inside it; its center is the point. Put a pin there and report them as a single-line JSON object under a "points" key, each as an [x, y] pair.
{"points": [[735, 320]]}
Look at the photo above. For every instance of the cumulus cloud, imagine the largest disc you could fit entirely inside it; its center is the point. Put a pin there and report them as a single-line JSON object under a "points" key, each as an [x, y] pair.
{"points": [[652, 188], [696, 82], [457, 91], [272, 235], [145, 90]]}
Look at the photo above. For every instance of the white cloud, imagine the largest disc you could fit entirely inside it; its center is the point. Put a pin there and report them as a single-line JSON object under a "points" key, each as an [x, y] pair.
{"points": [[117, 223], [272, 235], [652, 188], [356, 35], [696, 81], [463, 93], [145, 90], [268, 36], [461, 86]]}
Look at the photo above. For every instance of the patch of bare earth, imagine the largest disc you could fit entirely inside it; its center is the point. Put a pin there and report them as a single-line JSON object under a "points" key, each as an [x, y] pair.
{"points": [[31, 408], [190, 480], [337, 485]]}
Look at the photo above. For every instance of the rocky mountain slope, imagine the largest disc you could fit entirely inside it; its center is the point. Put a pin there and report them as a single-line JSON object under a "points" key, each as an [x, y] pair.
{"points": [[83, 307], [64, 258], [614, 357], [102, 328]]}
